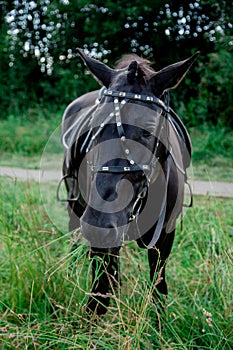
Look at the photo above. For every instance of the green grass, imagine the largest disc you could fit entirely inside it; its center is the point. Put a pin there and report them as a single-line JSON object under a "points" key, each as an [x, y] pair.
{"points": [[212, 153], [23, 139], [42, 303]]}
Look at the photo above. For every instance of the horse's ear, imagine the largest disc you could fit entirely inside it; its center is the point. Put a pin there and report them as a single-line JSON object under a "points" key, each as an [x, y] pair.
{"points": [[170, 76], [101, 71]]}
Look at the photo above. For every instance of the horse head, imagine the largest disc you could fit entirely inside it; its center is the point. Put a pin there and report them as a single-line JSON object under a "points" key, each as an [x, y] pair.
{"points": [[127, 147]]}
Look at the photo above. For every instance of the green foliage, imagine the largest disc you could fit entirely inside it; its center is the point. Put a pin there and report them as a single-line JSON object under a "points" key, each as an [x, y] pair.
{"points": [[216, 89], [42, 301], [39, 64], [213, 103]]}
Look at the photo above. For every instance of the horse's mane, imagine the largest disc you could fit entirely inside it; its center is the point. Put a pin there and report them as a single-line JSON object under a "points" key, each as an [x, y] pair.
{"points": [[144, 64]]}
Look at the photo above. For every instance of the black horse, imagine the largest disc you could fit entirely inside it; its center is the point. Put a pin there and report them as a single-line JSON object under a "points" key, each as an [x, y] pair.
{"points": [[126, 155]]}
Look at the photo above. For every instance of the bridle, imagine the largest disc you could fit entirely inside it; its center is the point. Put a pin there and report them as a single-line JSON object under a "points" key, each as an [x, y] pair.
{"points": [[120, 99]]}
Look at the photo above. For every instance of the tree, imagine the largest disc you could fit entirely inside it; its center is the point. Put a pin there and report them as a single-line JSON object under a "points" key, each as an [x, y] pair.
{"points": [[39, 41], [214, 100]]}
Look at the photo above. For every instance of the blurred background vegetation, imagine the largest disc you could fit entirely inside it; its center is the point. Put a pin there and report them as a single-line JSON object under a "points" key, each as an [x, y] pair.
{"points": [[41, 72]]}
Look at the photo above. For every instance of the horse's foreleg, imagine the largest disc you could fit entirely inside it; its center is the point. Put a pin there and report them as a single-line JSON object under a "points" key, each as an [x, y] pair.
{"points": [[105, 279], [157, 258]]}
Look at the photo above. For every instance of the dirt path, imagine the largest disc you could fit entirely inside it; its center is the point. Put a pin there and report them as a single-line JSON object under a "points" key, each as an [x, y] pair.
{"points": [[211, 188]]}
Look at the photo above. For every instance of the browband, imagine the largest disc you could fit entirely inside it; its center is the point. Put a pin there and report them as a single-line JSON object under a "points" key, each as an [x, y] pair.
{"points": [[139, 97]]}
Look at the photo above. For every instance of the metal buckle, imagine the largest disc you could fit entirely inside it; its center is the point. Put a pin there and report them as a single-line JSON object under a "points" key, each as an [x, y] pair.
{"points": [[122, 94], [143, 193], [59, 199]]}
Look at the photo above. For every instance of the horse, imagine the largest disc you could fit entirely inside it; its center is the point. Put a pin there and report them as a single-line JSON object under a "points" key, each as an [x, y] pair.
{"points": [[126, 154]]}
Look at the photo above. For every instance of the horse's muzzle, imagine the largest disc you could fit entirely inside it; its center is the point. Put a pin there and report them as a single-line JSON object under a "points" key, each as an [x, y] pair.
{"points": [[108, 235]]}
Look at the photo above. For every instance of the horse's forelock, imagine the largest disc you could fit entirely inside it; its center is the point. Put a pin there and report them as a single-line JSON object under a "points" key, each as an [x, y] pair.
{"points": [[125, 61]]}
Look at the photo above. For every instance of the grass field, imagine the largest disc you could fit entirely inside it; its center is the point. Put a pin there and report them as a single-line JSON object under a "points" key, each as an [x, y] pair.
{"points": [[44, 288]]}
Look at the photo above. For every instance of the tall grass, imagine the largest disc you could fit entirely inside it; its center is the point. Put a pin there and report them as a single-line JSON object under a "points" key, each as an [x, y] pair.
{"points": [[44, 286]]}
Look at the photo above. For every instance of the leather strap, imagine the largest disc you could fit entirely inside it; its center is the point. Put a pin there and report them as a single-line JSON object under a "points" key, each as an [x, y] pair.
{"points": [[160, 222], [119, 169], [137, 97]]}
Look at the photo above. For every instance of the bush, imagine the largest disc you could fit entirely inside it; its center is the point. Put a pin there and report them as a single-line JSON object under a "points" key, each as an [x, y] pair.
{"points": [[213, 102]]}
